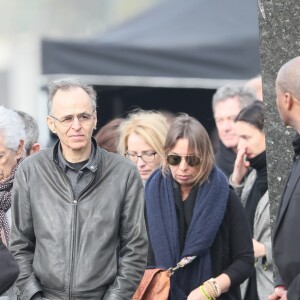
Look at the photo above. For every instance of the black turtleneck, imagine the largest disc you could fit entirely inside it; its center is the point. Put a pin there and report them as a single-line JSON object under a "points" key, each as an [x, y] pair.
{"points": [[259, 187]]}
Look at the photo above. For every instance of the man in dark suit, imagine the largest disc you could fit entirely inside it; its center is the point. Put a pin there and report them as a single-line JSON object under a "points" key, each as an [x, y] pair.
{"points": [[9, 269], [286, 239]]}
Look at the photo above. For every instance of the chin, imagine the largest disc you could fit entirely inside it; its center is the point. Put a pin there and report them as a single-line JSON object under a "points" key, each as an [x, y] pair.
{"points": [[230, 145], [77, 147], [145, 178]]}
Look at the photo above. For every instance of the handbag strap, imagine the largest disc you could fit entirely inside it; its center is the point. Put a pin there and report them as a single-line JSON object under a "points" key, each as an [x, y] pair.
{"points": [[183, 262]]}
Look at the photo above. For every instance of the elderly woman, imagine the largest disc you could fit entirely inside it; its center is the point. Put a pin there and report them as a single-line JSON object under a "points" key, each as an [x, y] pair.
{"points": [[192, 213], [142, 137], [12, 137], [253, 190]]}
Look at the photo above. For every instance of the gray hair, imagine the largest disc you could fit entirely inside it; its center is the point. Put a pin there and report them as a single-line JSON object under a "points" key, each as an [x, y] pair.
{"points": [[67, 85], [31, 130], [11, 128], [244, 95]]}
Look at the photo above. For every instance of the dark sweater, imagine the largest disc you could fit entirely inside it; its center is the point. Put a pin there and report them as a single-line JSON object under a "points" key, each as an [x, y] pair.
{"points": [[225, 158]]}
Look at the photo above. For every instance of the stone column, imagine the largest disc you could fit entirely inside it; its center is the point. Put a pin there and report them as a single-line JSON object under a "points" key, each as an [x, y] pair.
{"points": [[279, 25]]}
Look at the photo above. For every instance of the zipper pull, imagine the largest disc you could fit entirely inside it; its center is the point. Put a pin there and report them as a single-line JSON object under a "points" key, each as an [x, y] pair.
{"points": [[75, 202]]}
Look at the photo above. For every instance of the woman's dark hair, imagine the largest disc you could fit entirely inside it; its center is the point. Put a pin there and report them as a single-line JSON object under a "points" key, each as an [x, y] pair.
{"points": [[252, 114]]}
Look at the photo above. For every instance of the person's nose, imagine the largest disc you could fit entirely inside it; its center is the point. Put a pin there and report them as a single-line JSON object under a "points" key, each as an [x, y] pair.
{"points": [[140, 162], [183, 164], [76, 125], [241, 144], [227, 125]]}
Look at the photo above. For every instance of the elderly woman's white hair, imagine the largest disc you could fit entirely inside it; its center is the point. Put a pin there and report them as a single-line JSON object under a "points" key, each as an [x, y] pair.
{"points": [[11, 128]]}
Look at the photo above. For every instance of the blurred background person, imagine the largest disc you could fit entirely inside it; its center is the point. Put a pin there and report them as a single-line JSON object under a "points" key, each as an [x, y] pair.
{"points": [[255, 84], [253, 190], [32, 133], [142, 138], [192, 211], [12, 136], [108, 135], [227, 102]]}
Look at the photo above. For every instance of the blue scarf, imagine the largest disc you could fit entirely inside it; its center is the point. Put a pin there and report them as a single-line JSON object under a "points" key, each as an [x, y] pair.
{"points": [[208, 214]]}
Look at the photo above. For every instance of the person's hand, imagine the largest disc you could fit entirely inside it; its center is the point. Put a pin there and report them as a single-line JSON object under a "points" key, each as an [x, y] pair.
{"points": [[241, 166], [279, 294], [259, 248], [196, 294]]}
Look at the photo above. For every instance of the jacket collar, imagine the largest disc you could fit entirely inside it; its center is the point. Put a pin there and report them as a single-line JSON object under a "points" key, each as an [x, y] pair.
{"points": [[296, 145], [92, 164]]}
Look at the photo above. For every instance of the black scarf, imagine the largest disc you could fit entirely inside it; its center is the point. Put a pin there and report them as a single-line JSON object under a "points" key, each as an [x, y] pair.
{"points": [[259, 188], [5, 202]]}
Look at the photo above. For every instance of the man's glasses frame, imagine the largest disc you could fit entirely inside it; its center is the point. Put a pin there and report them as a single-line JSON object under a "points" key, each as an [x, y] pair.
{"points": [[67, 121]]}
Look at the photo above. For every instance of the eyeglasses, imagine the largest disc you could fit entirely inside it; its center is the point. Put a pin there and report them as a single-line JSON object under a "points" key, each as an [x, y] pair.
{"points": [[83, 118], [4, 155], [146, 157], [191, 160]]}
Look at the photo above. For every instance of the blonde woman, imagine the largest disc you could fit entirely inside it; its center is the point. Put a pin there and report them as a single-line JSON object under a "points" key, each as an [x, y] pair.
{"points": [[142, 138]]}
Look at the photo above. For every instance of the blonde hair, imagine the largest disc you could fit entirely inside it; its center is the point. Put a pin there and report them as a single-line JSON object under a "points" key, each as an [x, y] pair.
{"points": [[187, 127], [151, 126]]}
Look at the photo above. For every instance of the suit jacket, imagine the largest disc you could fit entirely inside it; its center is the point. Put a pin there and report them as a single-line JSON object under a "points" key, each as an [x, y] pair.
{"points": [[9, 269], [286, 240]]}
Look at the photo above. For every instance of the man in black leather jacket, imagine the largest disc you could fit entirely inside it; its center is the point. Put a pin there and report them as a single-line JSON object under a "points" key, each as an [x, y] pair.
{"points": [[78, 227]]}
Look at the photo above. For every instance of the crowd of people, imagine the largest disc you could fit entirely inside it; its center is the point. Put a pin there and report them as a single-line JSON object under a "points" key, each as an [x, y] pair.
{"points": [[85, 218]]}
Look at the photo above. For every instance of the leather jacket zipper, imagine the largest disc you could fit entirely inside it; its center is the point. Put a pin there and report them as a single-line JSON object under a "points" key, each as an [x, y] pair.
{"points": [[74, 228]]}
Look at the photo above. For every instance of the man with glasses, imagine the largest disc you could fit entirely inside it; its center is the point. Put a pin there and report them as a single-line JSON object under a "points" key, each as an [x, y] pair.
{"points": [[78, 225]]}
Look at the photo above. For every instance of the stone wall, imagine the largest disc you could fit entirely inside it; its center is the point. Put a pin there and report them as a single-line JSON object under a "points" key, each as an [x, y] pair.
{"points": [[279, 25]]}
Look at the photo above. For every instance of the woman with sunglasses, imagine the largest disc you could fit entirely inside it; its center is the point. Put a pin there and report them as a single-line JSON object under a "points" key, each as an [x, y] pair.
{"points": [[253, 190], [142, 137], [192, 212]]}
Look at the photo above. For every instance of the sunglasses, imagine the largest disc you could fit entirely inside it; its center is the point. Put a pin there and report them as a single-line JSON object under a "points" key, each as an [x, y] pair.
{"points": [[191, 160]]}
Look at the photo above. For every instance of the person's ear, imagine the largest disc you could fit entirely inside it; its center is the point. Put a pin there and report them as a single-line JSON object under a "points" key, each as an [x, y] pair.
{"points": [[51, 124], [20, 150], [288, 100], [95, 120], [35, 148]]}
